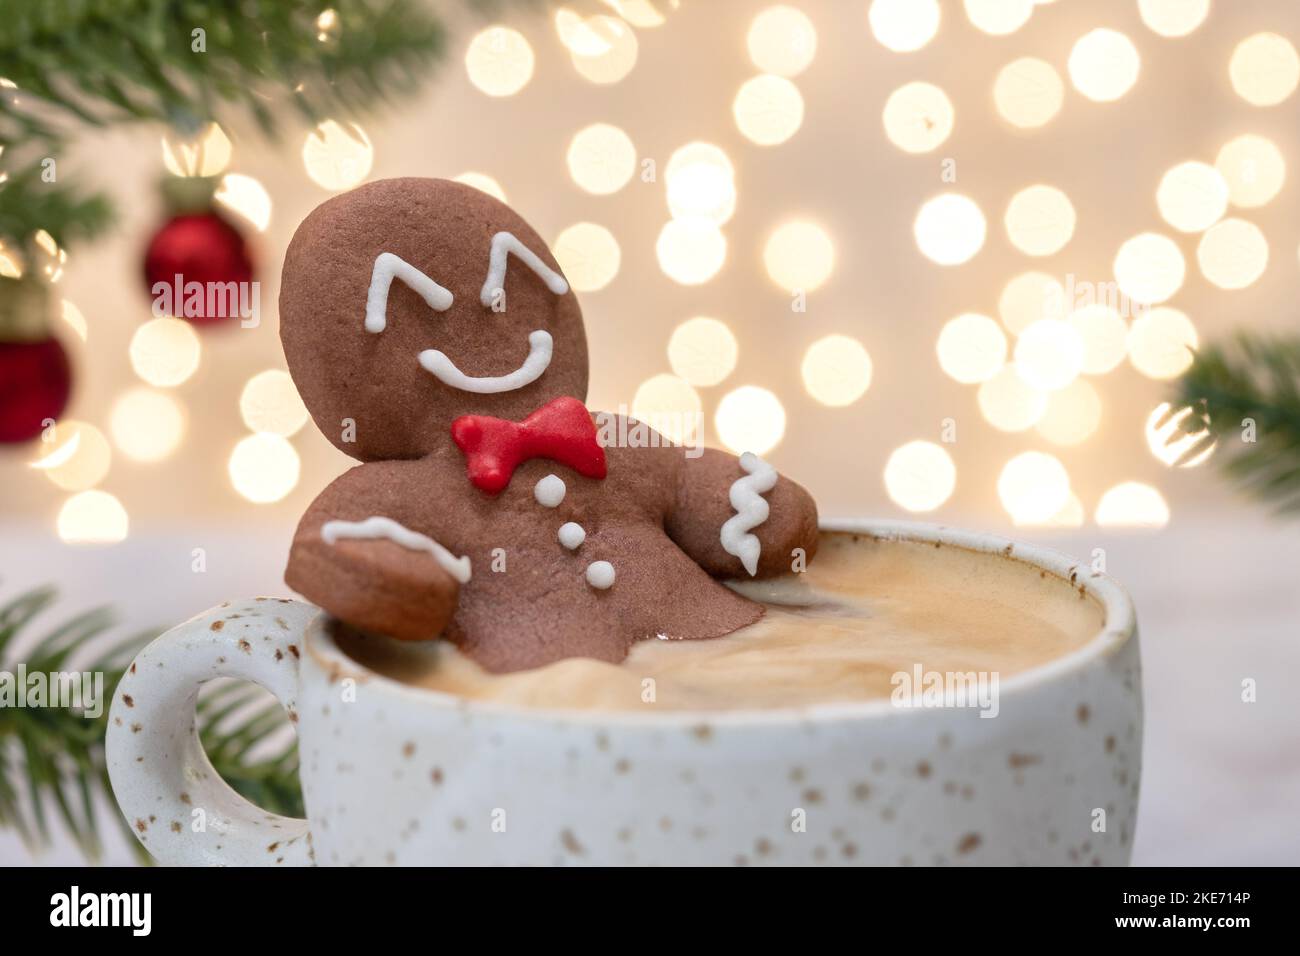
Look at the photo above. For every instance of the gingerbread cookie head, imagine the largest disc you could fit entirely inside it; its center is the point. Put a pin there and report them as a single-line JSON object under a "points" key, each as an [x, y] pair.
{"points": [[407, 303]]}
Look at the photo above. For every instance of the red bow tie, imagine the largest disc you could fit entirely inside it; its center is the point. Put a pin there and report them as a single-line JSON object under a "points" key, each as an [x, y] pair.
{"points": [[561, 430]]}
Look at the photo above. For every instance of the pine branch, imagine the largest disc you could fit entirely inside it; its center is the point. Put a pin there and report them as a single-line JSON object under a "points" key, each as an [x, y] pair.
{"points": [[52, 763], [113, 61], [99, 63], [1254, 378]]}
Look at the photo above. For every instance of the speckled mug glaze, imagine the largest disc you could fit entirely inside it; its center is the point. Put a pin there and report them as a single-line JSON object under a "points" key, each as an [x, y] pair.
{"points": [[393, 774]]}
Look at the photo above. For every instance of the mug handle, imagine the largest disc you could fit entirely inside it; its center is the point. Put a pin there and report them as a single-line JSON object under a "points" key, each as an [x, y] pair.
{"points": [[178, 807]]}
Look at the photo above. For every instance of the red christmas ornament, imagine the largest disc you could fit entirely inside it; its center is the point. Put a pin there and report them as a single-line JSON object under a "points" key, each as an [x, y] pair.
{"points": [[198, 247], [35, 381], [561, 430]]}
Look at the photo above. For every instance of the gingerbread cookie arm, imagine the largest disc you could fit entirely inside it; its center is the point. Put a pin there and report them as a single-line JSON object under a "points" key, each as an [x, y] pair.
{"points": [[358, 554], [737, 517]]}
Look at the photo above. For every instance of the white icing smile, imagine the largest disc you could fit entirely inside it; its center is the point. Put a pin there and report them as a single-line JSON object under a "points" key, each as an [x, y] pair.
{"points": [[539, 359], [540, 345]]}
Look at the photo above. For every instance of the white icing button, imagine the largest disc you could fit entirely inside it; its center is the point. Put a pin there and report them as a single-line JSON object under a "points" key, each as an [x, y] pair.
{"points": [[600, 574], [572, 535], [549, 492]]}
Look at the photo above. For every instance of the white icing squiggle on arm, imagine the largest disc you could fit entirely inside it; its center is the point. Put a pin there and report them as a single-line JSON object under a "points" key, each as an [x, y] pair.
{"points": [[388, 267], [540, 347], [381, 527], [751, 510], [503, 244]]}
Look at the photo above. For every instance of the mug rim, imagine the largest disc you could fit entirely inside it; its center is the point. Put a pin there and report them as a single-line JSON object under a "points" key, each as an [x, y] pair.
{"points": [[1118, 627]]}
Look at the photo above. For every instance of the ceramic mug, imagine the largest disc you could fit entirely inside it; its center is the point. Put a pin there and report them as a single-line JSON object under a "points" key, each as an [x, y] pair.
{"points": [[393, 774]]}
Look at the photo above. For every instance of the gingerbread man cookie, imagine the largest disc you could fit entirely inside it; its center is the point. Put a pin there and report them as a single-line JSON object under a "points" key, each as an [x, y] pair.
{"points": [[433, 337]]}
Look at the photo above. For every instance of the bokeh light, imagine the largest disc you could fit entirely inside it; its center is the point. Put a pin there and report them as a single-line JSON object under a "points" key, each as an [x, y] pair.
{"points": [[904, 25], [697, 153], [337, 158], [1150, 268], [1049, 354], [1160, 343], [1105, 337], [92, 517], [836, 370], [328, 28], [1029, 298], [1040, 220], [700, 182], [1071, 515], [1173, 18], [11, 261], [691, 250], [50, 256], [670, 406], [920, 476], [1033, 487], [1264, 69], [799, 256], [75, 455], [269, 402], [246, 197], [1028, 92], [499, 61], [1192, 196], [264, 467], [1104, 65], [1233, 254], [607, 51], [702, 351], [972, 348], [918, 117], [1132, 504], [1180, 436], [750, 418], [483, 183], [1254, 169], [576, 34], [1009, 403], [1072, 414], [165, 351], [70, 314], [768, 109], [207, 154], [640, 13], [999, 17], [601, 158], [147, 426], [589, 256], [782, 40], [950, 229]]}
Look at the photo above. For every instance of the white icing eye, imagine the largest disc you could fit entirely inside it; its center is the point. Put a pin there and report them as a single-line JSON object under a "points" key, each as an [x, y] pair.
{"points": [[503, 245], [389, 267]]}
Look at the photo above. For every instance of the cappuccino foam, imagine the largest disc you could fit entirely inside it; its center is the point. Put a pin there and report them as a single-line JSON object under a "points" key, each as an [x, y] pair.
{"points": [[863, 613]]}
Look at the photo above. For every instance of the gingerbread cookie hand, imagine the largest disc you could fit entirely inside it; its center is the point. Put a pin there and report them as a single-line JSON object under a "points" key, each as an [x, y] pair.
{"points": [[371, 570], [737, 517]]}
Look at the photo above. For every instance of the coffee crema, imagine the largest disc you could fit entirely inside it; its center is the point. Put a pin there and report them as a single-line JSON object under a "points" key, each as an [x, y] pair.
{"points": [[863, 612]]}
